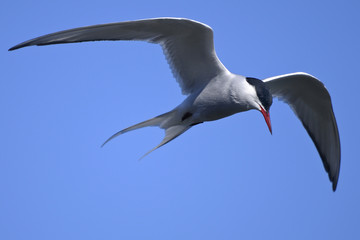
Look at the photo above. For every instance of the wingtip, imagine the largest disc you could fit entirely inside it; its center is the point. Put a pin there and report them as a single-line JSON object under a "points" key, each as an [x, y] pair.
{"points": [[334, 180], [334, 185], [21, 45], [16, 47]]}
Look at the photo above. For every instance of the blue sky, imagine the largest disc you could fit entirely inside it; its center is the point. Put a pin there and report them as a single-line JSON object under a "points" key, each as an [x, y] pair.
{"points": [[228, 179]]}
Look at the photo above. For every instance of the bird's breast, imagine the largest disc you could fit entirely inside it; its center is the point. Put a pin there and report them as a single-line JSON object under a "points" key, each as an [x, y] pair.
{"points": [[216, 102]]}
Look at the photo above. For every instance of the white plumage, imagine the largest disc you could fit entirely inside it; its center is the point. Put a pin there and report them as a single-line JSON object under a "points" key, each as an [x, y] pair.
{"points": [[214, 92]]}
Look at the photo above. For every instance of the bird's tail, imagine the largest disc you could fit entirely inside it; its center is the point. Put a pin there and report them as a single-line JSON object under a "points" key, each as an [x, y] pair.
{"points": [[171, 132]]}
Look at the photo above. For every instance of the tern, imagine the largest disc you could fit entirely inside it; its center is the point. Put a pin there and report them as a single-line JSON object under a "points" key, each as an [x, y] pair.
{"points": [[212, 91]]}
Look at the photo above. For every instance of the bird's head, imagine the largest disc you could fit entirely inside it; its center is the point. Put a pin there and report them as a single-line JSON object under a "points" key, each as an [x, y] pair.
{"points": [[263, 99]]}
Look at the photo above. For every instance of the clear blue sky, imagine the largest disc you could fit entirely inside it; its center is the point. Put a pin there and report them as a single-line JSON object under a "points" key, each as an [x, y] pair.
{"points": [[228, 179]]}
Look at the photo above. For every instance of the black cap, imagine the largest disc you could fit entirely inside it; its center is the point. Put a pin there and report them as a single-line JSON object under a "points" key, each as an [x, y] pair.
{"points": [[262, 92]]}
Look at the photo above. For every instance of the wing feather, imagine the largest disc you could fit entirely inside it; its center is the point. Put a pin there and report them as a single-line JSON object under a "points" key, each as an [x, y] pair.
{"points": [[311, 103], [188, 45]]}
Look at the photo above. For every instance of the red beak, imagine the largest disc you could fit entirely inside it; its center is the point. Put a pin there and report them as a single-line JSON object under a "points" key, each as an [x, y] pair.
{"points": [[267, 118]]}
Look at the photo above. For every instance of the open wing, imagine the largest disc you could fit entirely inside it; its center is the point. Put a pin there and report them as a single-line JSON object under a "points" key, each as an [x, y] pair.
{"points": [[311, 103], [188, 45]]}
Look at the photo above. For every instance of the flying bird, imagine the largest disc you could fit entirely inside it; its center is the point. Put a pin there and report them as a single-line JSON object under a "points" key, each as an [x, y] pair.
{"points": [[212, 91]]}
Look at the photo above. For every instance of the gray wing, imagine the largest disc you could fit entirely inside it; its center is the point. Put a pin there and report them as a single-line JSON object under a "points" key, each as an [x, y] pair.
{"points": [[188, 45], [311, 103]]}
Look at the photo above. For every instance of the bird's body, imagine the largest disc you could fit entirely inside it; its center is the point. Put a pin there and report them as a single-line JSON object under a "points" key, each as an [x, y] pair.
{"points": [[225, 95], [212, 91]]}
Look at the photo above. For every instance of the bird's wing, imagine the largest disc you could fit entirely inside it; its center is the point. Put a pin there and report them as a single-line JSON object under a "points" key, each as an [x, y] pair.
{"points": [[311, 103], [188, 45]]}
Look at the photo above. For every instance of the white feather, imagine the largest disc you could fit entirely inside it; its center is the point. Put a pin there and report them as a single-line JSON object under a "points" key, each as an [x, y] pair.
{"points": [[311, 103]]}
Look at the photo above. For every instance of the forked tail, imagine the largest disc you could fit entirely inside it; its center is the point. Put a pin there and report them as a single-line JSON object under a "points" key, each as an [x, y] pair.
{"points": [[171, 132]]}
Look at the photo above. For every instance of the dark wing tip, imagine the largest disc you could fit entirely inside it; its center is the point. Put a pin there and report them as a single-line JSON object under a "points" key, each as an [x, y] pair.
{"points": [[334, 185], [20, 45], [13, 48], [334, 179], [31, 42]]}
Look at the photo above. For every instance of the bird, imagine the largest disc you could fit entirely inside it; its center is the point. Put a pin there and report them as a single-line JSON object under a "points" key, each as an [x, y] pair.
{"points": [[212, 91]]}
